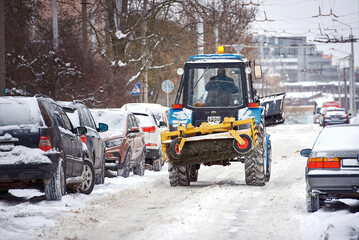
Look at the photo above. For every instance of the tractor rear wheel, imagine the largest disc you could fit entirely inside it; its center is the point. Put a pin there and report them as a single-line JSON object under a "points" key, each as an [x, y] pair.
{"points": [[179, 176]]}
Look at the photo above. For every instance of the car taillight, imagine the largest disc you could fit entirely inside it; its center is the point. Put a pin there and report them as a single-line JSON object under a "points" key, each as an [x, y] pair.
{"points": [[151, 145], [345, 116], [149, 129], [325, 117], [44, 143], [323, 163], [83, 138]]}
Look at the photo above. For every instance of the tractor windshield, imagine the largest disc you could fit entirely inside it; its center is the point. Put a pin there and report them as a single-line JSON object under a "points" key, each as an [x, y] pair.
{"points": [[214, 86]]}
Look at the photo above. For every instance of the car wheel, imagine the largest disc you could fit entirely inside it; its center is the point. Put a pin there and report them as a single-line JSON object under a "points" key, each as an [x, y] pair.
{"points": [[139, 169], [56, 188], [157, 165], [125, 171], [312, 202], [100, 178], [88, 174]]}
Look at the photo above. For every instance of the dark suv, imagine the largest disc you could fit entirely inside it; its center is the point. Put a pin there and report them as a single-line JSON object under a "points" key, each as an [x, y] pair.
{"points": [[39, 148], [80, 116]]}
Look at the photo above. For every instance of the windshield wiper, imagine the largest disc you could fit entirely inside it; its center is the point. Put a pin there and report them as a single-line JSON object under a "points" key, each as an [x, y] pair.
{"points": [[199, 79]]}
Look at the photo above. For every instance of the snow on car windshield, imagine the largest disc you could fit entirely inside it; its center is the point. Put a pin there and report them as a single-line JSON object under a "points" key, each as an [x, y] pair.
{"points": [[19, 111], [338, 138], [113, 118]]}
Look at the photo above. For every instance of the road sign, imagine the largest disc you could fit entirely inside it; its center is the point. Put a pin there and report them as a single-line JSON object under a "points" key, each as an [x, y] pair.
{"points": [[136, 89], [167, 86]]}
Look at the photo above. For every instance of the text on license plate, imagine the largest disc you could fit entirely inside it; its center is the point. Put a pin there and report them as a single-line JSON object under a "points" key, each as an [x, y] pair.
{"points": [[214, 119]]}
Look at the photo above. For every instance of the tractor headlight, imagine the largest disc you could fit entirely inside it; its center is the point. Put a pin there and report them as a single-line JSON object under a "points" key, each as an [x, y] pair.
{"points": [[114, 142]]}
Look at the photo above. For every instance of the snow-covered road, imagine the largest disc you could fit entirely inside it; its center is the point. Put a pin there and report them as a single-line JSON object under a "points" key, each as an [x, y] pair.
{"points": [[218, 206]]}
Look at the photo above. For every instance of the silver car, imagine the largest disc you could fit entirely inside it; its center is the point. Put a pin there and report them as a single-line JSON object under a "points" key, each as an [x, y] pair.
{"points": [[332, 169]]}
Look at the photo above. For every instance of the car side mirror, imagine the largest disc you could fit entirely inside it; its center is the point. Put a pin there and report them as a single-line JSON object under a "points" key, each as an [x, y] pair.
{"points": [[81, 130], [102, 127], [134, 129], [305, 152], [163, 124]]}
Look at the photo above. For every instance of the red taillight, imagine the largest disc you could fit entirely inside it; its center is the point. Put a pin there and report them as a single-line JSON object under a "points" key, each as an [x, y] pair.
{"points": [[253, 105], [83, 138], [345, 116], [151, 145], [325, 117], [323, 163], [149, 129], [177, 106], [315, 163], [44, 143]]}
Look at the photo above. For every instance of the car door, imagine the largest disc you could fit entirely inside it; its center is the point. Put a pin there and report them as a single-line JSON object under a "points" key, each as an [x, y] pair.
{"points": [[138, 139], [93, 142], [72, 144]]}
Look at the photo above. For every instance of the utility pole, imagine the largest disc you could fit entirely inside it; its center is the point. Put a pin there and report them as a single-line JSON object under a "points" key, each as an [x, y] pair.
{"points": [[2, 49], [145, 55], [55, 29], [345, 91], [339, 87], [353, 106]]}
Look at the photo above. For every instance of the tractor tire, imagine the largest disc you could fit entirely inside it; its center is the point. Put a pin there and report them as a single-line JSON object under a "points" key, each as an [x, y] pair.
{"points": [[193, 173], [139, 169], [269, 166], [174, 149], [179, 176], [157, 164], [88, 174], [56, 188], [255, 166]]}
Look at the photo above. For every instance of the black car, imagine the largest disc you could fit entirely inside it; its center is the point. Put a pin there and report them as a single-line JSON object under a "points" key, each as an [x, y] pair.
{"points": [[39, 148], [80, 116], [332, 116]]}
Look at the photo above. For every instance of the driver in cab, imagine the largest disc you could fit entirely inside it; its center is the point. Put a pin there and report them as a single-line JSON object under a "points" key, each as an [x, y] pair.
{"points": [[220, 88]]}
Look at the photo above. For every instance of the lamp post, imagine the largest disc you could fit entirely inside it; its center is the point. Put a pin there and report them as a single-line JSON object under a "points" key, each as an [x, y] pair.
{"points": [[353, 108]]}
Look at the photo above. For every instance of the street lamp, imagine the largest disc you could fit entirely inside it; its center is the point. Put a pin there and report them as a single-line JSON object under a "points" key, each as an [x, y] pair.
{"points": [[353, 107]]}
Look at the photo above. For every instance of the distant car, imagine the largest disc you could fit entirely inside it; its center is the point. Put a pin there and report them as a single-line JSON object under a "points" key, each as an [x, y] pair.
{"points": [[152, 130], [321, 114], [125, 141], [333, 165], [39, 148], [331, 116], [80, 116]]}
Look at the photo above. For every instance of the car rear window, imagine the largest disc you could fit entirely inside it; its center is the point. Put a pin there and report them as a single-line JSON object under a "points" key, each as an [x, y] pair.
{"points": [[145, 121], [338, 138], [20, 111]]}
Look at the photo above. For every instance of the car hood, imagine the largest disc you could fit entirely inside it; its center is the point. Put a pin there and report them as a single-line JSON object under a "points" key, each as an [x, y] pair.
{"points": [[112, 134]]}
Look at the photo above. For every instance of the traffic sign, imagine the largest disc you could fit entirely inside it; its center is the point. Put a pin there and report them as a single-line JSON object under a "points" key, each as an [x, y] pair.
{"points": [[167, 86], [136, 89]]}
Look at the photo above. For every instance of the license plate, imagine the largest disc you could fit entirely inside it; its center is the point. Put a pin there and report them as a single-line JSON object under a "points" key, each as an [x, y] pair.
{"points": [[335, 119], [215, 119], [350, 162]]}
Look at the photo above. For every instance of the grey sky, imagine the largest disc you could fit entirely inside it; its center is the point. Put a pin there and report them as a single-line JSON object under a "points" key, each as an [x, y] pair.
{"points": [[295, 18]]}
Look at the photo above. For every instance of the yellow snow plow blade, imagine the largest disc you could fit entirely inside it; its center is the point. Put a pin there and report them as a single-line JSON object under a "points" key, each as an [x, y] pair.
{"points": [[222, 141]]}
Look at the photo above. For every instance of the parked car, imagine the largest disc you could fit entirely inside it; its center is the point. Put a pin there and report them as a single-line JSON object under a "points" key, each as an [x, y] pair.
{"points": [[125, 142], [333, 165], [80, 116], [151, 128], [333, 115], [39, 148]]}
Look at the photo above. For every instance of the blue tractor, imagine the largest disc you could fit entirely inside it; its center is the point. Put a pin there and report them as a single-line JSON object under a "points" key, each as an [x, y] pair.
{"points": [[218, 117]]}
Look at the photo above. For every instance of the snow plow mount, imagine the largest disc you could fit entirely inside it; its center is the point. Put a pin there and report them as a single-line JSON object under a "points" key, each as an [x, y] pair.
{"points": [[241, 142]]}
